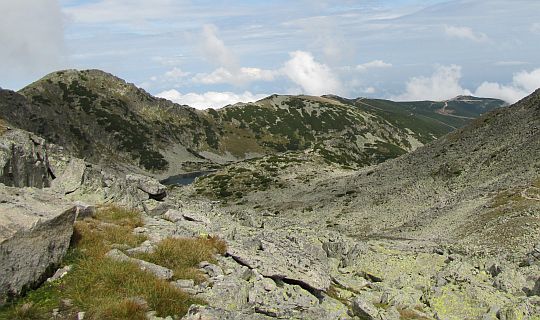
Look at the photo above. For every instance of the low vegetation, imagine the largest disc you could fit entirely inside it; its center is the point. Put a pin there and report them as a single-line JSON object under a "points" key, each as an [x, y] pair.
{"points": [[183, 255], [3, 126], [108, 289]]}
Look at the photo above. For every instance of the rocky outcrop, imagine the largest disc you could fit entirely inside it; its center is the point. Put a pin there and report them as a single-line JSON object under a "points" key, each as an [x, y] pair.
{"points": [[35, 231], [23, 160], [286, 255], [71, 178]]}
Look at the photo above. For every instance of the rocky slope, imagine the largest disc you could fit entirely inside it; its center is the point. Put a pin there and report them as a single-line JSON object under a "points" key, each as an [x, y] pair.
{"points": [[449, 231], [105, 120]]}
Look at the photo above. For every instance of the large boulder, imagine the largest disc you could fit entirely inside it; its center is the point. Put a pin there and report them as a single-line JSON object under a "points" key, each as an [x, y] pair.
{"points": [[35, 231], [23, 160], [71, 178], [152, 187]]}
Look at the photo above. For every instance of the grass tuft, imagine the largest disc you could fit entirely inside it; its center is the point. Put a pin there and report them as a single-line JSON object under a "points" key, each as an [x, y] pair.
{"points": [[120, 216], [183, 255], [108, 289]]}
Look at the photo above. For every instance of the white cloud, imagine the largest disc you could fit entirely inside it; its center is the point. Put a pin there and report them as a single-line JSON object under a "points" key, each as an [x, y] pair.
{"points": [[442, 85], [313, 77], [32, 38], [373, 64], [215, 49], [174, 77], [176, 74], [209, 99], [465, 33], [370, 90], [237, 77], [523, 84]]}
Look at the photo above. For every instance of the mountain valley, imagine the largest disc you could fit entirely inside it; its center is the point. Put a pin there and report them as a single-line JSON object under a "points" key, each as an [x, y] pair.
{"points": [[309, 207]]}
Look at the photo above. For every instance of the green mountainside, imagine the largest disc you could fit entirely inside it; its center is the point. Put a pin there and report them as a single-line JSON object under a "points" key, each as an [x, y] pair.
{"points": [[101, 118]]}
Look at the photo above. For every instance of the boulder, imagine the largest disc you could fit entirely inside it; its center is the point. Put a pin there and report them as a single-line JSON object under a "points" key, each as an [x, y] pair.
{"points": [[35, 231], [152, 187], [364, 309], [158, 271], [71, 178], [23, 160]]}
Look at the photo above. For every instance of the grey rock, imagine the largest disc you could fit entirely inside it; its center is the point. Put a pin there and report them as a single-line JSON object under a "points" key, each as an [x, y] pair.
{"points": [[60, 273], [23, 160], [187, 283], [197, 312], [283, 254], [402, 298], [228, 294], [35, 231], [71, 179], [187, 286], [350, 282], [149, 185], [458, 271], [286, 301], [173, 215], [211, 269], [364, 309], [158, 271], [84, 210], [195, 217], [145, 247], [510, 281]]}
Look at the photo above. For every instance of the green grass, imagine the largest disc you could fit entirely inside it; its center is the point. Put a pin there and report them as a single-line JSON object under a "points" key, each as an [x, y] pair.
{"points": [[183, 255], [108, 289]]}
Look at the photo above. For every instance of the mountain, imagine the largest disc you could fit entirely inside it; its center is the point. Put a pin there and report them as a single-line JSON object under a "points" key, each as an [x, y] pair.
{"points": [[101, 118], [469, 187], [450, 230]]}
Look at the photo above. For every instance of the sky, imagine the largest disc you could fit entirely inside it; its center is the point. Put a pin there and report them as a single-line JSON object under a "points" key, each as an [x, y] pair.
{"points": [[211, 53]]}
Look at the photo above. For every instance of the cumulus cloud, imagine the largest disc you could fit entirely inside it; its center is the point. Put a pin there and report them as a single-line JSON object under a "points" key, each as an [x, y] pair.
{"points": [[210, 99], [176, 74], [442, 85], [465, 33], [32, 38], [215, 49], [523, 84], [373, 64], [313, 77], [237, 77]]}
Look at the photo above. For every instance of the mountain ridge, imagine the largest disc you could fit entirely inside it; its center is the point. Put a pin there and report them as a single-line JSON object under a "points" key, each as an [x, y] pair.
{"points": [[93, 112]]}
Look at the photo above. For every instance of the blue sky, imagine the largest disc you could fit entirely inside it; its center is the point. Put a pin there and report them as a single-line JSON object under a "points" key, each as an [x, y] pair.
{"points": [[210, 53]]}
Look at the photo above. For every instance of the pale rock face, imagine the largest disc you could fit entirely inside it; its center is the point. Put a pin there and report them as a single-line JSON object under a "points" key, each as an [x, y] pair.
{"points": [[23, 160], [72, 177], [35, 231]]}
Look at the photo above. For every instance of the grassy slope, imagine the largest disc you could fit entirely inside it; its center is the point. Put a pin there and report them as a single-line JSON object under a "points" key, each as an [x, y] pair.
{"points": [[108, 289]]}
